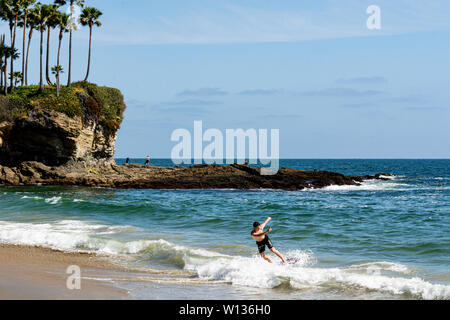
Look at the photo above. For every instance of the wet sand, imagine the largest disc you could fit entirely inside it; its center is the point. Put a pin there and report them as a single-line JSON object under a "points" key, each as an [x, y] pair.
{"points": [[31, 273]]}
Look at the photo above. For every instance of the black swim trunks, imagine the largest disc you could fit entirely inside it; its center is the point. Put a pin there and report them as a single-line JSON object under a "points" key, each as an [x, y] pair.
{"points": [[262, 245]]}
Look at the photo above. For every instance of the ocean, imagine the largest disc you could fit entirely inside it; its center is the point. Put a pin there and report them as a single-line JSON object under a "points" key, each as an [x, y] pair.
{"points": [[382, 240]]}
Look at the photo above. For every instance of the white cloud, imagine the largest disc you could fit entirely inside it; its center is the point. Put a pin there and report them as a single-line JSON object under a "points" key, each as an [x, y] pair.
{"points": [[232, 23]]}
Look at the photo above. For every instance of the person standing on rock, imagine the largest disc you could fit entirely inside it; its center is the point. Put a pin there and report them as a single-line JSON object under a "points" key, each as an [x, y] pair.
{"points": [[262, 240], [147, 161]]}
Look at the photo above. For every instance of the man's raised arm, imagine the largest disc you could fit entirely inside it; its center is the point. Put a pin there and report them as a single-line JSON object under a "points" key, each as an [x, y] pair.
{"points": [[266, 222]]}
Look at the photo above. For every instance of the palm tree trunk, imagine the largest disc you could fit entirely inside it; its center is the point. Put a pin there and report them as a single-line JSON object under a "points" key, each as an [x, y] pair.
{"points": [[57, 84], [89, 58], [23, 49], [30, 35], [5, 71], [13, 43], [1, 73], [47, 73], [2, 42], [61, 34], [11, 31], [41, 81], [69, 81]]}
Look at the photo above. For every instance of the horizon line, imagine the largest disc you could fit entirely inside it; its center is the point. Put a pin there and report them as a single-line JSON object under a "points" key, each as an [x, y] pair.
{"points": [[158, 158]]}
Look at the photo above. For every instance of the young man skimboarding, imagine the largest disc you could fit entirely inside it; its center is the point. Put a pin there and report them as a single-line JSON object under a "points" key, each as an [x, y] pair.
{"points": [[263, 240]]}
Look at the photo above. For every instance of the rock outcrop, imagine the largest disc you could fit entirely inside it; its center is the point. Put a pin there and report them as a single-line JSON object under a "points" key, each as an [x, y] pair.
{"points": [[196, 177]]}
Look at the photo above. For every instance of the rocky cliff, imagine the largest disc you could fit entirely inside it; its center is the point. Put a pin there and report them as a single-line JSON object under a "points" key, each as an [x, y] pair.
{"points": [[53, 138], [81, 128]]}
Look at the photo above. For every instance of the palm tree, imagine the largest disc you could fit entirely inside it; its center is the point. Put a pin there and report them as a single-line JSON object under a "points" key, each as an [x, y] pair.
{"points": [[89, 17], [6, 14], [2, 43], [3, 62], [72, 26], [18, 77], [32, 24], [16, 11], [56, 70], [7, 52], [63, 23], [52, 22], [43, 13], [25, 6], [14, 55], [11, 11]]}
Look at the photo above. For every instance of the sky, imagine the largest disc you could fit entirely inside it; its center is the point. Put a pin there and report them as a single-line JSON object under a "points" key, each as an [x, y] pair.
{"points": [[311, 69]]}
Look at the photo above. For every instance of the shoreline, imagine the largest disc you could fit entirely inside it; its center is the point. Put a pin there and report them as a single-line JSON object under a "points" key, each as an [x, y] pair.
{"points": [[37, 273]]}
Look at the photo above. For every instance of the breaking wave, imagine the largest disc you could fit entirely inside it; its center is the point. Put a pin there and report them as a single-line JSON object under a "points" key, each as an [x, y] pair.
{"points": [[254, 272], [69, 235]]}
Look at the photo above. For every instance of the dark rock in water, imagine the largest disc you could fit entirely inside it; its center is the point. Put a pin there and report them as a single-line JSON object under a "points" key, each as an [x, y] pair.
{"points": [[110, 175]]}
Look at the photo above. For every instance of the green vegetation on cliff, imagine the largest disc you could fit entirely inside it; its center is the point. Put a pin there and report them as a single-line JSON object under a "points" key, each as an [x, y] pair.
{"points": [[87, 100]]}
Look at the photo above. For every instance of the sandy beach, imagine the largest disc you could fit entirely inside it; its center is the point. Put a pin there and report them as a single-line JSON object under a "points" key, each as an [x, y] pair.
{"points": [[33, 273]]}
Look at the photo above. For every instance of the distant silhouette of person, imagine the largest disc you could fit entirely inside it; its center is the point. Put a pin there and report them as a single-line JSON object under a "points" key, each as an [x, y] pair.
{"points": [[127, 161], [147, 161], [246, 162]]}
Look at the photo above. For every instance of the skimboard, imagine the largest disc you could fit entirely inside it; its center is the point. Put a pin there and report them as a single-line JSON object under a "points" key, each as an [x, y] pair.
{"points": [[292, 261]]}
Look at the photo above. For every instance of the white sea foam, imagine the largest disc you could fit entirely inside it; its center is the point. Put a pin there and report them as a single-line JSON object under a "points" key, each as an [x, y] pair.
{"points": [[370, 185], [253, 272], [53, 200], [378, 267], [442, 178], [389, 284], [33, 198], [391, 177], [72, 235], [392, 184], [64, 235], [46, 235]]}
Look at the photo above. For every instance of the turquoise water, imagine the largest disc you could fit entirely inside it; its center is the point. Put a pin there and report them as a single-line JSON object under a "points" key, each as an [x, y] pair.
{"points": [[382, 240]]}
